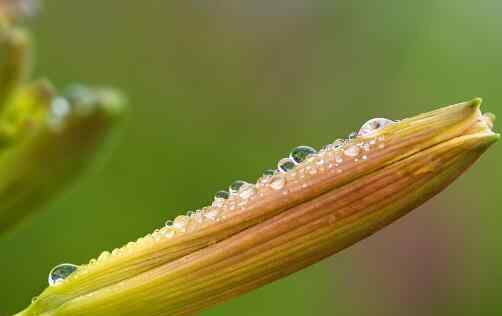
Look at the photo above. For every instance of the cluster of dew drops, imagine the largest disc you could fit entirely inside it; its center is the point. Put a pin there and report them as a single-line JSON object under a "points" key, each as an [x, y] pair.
{"points": [[240, 192], [76, 100]]}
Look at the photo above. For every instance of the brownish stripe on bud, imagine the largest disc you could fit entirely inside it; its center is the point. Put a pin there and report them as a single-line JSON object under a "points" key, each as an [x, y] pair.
{"points": [[284, 223]]}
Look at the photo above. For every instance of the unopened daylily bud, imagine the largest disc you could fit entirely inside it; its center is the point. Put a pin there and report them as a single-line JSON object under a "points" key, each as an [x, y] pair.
{"points": [[291, 218]]}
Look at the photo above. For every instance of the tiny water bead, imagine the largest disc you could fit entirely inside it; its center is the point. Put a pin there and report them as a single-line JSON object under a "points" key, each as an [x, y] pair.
{"points": [[373, 126], [338, 143], [278, 182], [212, 214], [181, 222], [234, 187], [247, 191], [300, 153], [59, 273], [285, 164], [269, 172], [222, 195], [352, 151], [103, 256]]}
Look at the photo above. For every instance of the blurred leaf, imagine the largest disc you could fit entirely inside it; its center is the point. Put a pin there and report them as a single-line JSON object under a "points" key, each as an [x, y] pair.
{"points": [[14, 60], [57, 143], [45, 140]]}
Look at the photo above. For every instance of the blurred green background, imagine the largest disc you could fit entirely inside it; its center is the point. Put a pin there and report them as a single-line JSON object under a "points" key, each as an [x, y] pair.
{"points": [[220, 90]]}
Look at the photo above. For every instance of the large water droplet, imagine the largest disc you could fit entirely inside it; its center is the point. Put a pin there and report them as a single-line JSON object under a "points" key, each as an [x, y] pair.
{"points": [[285, 164], [59, 273], [300, 153], [373, 126], [234, 187]]}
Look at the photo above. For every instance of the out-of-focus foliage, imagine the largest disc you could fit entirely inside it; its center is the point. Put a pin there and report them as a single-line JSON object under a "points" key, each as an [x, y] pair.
{"points": [[45, 139], [224, 89]]}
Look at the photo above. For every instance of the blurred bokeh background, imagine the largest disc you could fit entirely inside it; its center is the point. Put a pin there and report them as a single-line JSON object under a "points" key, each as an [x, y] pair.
{"points": [[220, 90]]}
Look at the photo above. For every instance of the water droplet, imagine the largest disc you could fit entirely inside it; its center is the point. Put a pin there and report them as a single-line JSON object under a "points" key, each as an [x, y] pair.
{"points": [[180, 222], [103, 255], [352, 135], [82, 99], [221, 195], [277, 182], [34, 299], [218, 202], [212, 214], [373, 126], [247, 191], [311, 170], [269, 172], [234, 187], [352, 151], [60, 108], [338, 143], [168, 232], [300, 153], [285, 164], [168, 223], [197, 217], [338, 158], [59, 273]]}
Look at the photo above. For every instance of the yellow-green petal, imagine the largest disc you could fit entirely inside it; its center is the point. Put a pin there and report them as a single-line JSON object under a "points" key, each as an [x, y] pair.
{"points": [[282, 224]]}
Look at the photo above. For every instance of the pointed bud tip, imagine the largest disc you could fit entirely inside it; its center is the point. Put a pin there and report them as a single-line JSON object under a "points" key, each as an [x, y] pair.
{"points": [[476, 102]]}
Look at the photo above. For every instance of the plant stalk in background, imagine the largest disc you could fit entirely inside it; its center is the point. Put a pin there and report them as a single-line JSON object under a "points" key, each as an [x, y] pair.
{"points": [[46, 140], [315, 205]]}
